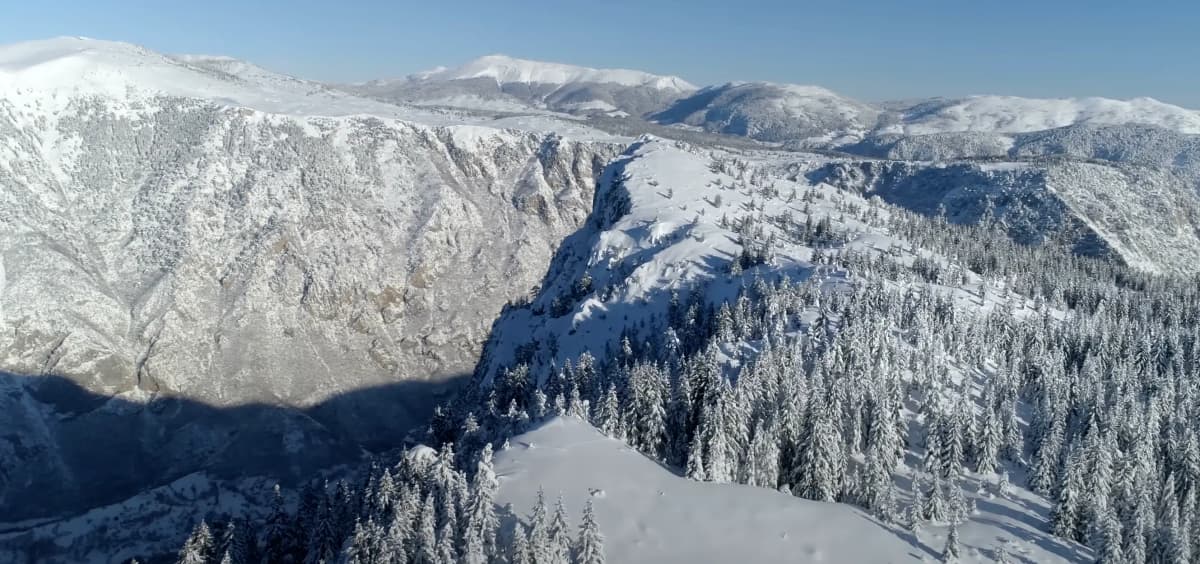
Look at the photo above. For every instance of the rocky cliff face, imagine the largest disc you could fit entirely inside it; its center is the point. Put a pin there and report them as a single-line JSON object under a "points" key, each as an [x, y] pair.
{"points": [[172, 247]]}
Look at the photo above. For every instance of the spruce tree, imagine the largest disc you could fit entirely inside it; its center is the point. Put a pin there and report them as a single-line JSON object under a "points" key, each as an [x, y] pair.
{"points": [[560, 534], [519, 552], [589, 549], [988, 451], [679, 431], [446, 541], [237, 542], [933, 500], [608, 417], [1066, 515], [425, 540], [399, 533], [878, 488], [198, 547], [695, 460], [539, 532], [323, 542], [278, 542], [763, 459], [1107, 539], [820, 465], [951, 551], [481, 515]]}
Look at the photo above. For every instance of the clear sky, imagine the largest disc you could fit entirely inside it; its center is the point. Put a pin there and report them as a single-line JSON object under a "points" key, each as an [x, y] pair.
{"points": [[870, 49]]}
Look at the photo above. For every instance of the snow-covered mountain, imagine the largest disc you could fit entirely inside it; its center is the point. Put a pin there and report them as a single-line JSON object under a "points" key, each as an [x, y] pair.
{"points": [[1144, 216], [509, 70], [796, 115], [52, 73], [814, 116], [204, 230], [1011, 114], [662, 224], [773, 112], [498, 82]]}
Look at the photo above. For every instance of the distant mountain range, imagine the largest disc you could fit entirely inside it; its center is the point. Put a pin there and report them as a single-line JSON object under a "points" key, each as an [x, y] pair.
{"points": [[500, 82], [759, 110]]}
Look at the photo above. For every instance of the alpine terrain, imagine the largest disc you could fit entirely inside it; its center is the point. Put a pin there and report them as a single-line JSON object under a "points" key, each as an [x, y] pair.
{"points": [[529, 312]]}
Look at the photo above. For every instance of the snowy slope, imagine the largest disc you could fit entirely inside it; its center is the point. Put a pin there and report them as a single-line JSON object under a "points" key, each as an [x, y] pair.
{"points": [[653, 232], [657, 228], [647, 514], [650, 515]]}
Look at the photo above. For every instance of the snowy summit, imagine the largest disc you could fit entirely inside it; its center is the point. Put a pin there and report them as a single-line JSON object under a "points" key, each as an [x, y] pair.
{"points": [[505, 69]]}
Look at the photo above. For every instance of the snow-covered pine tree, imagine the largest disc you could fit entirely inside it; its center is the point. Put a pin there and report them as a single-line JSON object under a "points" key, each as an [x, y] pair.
{"points": [[589, 549], [763, 458], [718, 466], [198, 547], [647, 411], [323, 542], [1106, 538], [482, 522], [820, 465], [425, 540], [680, 440], [539, 532], [1066, 519], [560, 534], [237, 542], [519, 552], [951, 552], [608, 413], [987, 452], [878, 488], [695, 460], [446, 541], [933, 501]]}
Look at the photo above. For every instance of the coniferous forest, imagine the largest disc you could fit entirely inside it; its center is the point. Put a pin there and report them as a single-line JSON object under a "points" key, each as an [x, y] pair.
{"points": [[1070, 376]]}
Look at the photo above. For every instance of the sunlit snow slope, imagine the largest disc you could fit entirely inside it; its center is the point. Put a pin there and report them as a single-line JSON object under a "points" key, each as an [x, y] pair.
{"points": [[650, 515]]}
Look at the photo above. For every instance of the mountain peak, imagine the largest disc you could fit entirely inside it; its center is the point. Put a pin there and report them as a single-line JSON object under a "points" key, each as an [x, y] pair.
{"points": [[26, 55], [68, 67], [507, 69]]}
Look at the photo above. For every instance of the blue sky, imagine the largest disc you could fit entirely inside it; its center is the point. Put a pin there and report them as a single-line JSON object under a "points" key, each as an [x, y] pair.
{"points": [[872, 50]]}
